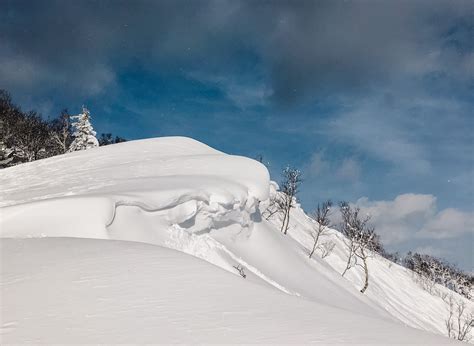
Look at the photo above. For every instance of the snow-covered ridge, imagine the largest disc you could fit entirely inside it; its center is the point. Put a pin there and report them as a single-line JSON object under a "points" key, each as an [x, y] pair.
{"points": [[157, 191], [166, 164], [181, 194], [176, 176]]}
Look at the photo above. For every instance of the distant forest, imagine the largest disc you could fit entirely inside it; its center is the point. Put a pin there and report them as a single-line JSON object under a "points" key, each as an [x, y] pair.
{"points": [[26, 136]]}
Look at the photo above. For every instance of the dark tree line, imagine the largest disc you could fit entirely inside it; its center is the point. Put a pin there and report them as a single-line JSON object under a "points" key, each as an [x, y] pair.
{"points": [[441, 272], [27, 136], [107, 139]]}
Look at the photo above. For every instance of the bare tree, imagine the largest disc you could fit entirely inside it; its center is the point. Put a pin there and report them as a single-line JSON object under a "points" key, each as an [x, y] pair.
{"points": [[5, 152], [31, 139], [459, 322], [321, 216], [273, 208], [24, 136], [10, 117], [349, 239], [361, 239], [289, 189], [61, 135], [366, 242]]}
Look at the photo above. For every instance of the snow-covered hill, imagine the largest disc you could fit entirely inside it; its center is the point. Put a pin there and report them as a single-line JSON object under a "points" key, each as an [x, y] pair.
{"points": [[183, 195]]}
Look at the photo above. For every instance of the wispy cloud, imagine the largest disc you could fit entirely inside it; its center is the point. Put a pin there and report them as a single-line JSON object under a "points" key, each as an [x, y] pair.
{"points": [[350, 169], [243, 91], [318, 164], [376, 127], [321, 166]]}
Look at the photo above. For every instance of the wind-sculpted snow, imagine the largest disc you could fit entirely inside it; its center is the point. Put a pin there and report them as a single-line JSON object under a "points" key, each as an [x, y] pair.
{"points": [[175, 166], [147, 191], [180, 194], [173, 181]]}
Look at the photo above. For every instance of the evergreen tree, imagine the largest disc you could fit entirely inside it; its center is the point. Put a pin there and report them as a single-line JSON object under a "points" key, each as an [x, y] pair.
{"points": [[84, 134]]}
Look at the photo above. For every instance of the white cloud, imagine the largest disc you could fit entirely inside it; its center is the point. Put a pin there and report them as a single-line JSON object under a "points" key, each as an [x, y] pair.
{"points": [[448, 223], [410, 216]]}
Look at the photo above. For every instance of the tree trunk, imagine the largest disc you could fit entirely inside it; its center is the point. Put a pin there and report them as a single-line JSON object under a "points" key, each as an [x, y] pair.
{"points": [[314, 245], [366, 271], [347, 265], [283, 223], [286, 218], [287, 221]]}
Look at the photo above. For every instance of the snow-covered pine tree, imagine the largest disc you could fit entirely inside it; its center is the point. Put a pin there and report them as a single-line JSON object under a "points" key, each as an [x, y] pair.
{"points": [[84, 134]]}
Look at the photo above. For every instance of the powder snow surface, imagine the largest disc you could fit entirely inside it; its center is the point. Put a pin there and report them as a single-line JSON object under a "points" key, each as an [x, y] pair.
{"points": [[176, 193]]}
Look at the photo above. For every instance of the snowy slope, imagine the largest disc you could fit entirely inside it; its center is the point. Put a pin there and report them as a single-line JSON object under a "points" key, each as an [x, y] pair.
{"points": [[391, 286], [93, 291], [178, 193]]}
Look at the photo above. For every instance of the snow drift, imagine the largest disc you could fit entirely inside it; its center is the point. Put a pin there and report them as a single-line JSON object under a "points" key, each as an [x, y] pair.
{"points": [[181, 194]]}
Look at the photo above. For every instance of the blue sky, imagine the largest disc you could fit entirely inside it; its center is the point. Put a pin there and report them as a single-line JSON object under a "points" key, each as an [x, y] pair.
{"points": [[372, 100]]}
